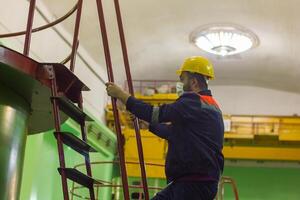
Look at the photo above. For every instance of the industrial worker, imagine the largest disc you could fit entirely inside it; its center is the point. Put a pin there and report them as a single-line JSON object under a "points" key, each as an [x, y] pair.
{"points": [[193, 126]]}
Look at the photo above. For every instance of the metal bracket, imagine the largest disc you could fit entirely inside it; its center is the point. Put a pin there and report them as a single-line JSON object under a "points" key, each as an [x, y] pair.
{"points": [[45, 72], [49, 70]]}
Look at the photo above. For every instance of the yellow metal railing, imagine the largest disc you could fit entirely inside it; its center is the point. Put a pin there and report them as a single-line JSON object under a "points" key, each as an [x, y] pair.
{"points": [[251, 127], [282, 128], [246, 137]]}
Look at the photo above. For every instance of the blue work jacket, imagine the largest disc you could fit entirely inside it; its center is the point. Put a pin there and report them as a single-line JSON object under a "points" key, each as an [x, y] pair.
{"points": [[194, 131]]}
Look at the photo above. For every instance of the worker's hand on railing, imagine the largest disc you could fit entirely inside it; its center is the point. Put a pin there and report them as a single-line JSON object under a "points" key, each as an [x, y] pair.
{"points": [[143, 124], [131, 116], [115, 91]]}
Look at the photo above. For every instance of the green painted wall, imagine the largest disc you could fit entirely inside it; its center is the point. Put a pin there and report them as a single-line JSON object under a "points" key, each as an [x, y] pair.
{"points": [[254, 183], [41, 180], [257, 183]]}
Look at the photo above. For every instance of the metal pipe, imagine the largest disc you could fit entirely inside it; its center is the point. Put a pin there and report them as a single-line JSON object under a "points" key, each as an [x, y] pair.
{"points": [[225, 180], [72, 190], [130, 87], [75, 37], [29, 27], [233, 184], [113, 100], [58, 33], [40, 28], [117, 162], [67, 59]]}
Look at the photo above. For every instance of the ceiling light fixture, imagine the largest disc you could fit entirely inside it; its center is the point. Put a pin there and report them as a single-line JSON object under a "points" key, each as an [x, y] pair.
{"points": [[224, 40]]}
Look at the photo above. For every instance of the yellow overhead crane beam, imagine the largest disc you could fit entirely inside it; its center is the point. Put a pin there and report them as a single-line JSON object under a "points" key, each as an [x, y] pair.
{"points": [[262, 153]]}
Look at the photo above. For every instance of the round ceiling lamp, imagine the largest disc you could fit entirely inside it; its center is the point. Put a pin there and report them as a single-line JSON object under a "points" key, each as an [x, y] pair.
{"points": [[224, 39]]}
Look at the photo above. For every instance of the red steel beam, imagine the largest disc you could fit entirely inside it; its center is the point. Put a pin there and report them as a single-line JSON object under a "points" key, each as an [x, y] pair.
{"points": [[113, 100], [130, 87]]}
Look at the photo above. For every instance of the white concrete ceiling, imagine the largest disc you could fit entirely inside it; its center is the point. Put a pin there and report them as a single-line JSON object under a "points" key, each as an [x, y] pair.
{"points": [[157, 34]]}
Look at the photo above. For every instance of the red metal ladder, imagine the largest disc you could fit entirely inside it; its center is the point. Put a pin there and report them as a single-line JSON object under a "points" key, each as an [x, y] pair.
{"points": [[110, 74], [64, 99]]}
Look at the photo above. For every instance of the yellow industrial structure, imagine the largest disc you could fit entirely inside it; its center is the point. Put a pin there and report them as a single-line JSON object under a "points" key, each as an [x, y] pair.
{"points": [[248, 137]]}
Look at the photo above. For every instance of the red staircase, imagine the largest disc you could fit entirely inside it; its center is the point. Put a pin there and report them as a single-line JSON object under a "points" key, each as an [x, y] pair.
{"points": [[66, 96], [64, 99]]}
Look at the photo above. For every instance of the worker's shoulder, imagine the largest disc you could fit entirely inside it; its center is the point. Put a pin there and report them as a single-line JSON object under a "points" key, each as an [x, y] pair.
{"points": [[189, 96], [188, 102]]}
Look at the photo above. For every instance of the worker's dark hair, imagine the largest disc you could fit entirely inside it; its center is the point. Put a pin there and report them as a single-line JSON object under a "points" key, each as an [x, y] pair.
{"points": [[202, 80]]}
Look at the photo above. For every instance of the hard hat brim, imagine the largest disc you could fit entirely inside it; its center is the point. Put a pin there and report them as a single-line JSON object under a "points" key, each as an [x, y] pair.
{"points": [[178, 72]]}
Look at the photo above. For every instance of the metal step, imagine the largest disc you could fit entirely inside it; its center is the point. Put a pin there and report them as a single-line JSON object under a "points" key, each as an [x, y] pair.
{"points": [[75, 143], [71, 110], [78, 177]]}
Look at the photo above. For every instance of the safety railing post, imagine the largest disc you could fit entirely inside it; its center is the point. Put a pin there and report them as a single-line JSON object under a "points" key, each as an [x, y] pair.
{"points": [[113, 100], [29, 27], [75, 36], [130, 87]]}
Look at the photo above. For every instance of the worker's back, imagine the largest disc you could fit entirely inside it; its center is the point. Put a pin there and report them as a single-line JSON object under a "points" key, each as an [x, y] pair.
{"points": [[196, 141]]}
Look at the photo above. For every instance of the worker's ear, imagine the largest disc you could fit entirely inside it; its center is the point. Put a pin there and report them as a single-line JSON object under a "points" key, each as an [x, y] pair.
{"points": [[194, 82]]}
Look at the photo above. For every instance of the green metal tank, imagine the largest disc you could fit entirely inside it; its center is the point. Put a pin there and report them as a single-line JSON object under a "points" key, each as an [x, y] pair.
{"points": [[14, 113], [24, 108]]}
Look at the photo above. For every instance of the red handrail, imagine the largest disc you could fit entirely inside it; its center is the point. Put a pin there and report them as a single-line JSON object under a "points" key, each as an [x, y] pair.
{"points": [[113, 100], [110, 184], [75, 36], [72, 57], [29, 30], [29, 27], [131, 91], [40, 28]]}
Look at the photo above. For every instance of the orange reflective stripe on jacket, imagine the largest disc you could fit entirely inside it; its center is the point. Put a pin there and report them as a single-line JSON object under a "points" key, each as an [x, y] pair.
{"points": [[209, 100]]}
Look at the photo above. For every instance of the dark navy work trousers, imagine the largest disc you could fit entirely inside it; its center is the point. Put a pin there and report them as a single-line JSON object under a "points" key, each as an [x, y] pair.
{"points": [[188, 190]]}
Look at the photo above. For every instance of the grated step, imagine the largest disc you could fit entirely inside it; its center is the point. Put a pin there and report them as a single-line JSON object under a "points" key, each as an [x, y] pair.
{"points": [[75, 143], [68, 107], [78, 177]]}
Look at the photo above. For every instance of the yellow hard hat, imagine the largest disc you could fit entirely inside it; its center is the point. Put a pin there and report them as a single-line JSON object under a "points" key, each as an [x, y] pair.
{"points": [[197, 64]]}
